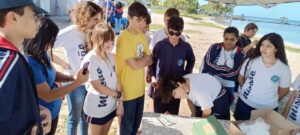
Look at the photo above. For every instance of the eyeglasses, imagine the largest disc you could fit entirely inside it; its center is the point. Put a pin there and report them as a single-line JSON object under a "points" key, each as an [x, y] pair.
{"points": [[171, 33]]}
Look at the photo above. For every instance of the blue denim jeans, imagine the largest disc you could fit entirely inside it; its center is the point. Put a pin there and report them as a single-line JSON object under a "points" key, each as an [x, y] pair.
{"points": [[118, 25], [75, 101], [133, 113]]}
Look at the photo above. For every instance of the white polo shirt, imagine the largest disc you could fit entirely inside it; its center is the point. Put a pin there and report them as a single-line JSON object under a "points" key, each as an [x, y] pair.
{"points": [[260, 89], [204, 89]]}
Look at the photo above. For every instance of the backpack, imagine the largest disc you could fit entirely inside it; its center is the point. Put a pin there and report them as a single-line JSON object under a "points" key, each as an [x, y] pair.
{"points": [[118, 13]]}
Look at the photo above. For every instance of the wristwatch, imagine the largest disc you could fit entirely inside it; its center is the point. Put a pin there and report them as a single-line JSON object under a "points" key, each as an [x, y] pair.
{"points": [[119, 95]]}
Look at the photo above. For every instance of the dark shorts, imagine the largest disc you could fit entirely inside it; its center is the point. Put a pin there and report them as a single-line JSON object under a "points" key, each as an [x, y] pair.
{"points": [[243, 111], [221, 108], [172, 107], [100, 121]]}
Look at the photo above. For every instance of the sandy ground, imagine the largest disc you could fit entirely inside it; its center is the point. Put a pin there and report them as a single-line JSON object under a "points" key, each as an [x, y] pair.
{"points": [[199, 37]]}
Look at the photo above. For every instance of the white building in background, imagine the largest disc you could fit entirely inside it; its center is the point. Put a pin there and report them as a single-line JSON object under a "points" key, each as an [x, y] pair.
{"points": [[56, 7], [62, 7]]}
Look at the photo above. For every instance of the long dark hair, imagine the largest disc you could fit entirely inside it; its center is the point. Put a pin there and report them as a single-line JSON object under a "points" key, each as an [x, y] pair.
{"points": [[166, 86], [278, 43], [43, 40]]}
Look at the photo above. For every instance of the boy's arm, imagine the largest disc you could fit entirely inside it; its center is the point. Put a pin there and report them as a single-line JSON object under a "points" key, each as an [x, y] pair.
{"points": [[192, 108], [152, 68], [210, 66], [233, 73], [206, 113], [137, 64], [190, 61]]}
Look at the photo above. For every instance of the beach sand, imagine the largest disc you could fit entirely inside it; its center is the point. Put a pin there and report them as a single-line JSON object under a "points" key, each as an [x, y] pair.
{"points": [[200, 37]]}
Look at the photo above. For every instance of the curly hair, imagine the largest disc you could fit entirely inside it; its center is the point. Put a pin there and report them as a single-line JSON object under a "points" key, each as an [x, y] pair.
{"points": [[166, 85], [278, 43], [82, 13], [98, 36]]}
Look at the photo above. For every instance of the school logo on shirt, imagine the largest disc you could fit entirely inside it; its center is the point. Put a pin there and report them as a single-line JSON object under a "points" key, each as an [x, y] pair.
{"points": [[275, 78], [180, 62], [140, 50]]}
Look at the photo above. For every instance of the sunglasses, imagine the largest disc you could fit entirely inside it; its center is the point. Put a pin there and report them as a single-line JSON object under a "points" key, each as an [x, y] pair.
{"points": [[171, 33]]}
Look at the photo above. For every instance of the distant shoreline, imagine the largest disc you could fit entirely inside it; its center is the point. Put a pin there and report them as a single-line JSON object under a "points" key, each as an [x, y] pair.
{"points": [[286, 43]]}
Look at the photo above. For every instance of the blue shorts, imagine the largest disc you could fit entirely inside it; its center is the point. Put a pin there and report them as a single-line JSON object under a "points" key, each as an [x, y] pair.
{"points": [[100, 121], [243, 111]]}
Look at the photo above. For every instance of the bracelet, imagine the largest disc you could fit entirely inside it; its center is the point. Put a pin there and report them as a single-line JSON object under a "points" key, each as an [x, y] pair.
{"points": [[119, 95]]}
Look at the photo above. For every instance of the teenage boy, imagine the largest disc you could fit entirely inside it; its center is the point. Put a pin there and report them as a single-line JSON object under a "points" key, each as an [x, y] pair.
{"points": [[163, 33], [171, 56], [133, 55], [20, 112]]}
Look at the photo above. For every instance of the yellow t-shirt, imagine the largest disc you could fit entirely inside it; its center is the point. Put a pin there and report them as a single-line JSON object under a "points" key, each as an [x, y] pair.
{"points": [[131, 45]]}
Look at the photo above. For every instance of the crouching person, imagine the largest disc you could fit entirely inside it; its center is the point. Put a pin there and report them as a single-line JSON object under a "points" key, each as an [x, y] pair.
{"points": [[205, 92]]}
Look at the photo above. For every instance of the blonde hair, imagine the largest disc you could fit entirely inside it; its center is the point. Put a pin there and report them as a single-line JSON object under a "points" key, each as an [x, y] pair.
{"points": [[100, 34], [82, 13]]}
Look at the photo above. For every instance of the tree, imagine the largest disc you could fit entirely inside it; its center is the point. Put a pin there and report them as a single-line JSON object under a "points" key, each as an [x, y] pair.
{"points": [[154, 2], [189, 6], [215, 8], [192, 6]]}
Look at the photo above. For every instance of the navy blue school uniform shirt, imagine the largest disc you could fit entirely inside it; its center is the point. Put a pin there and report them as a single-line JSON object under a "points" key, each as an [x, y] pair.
{"points": [[46, 73], [19, 110], [244, 41], [169, 59]]}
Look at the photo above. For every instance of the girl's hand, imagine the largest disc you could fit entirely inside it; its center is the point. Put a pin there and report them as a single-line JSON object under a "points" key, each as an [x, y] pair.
{"points": [[120, 109], [80, 77]]}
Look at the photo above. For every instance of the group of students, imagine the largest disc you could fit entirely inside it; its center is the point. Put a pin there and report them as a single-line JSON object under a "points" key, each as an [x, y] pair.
{"points": [[258, 70], [101, 85]]}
